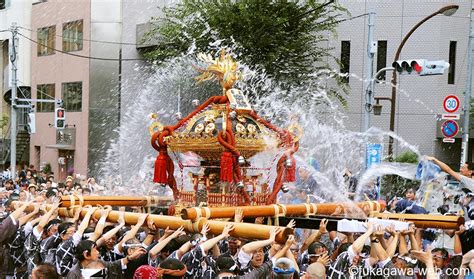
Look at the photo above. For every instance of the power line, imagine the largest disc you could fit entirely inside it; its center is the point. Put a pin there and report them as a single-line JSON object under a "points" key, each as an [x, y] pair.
{"points": [[38, 90], [351, 18], [94, 41], [81, 56]]}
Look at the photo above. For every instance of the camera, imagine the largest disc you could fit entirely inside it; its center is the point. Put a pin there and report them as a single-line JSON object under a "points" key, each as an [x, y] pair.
{"points": [[457, 198], [443, 209]]}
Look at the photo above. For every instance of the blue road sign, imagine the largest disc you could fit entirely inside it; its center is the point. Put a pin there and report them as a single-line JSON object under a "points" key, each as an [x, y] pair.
{"points": [[450, 128], [373, 154]]}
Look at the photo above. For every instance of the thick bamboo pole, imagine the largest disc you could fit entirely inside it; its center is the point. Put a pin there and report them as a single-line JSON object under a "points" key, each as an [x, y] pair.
{"points": [[305, 209], [71, 200], [244, 230]]}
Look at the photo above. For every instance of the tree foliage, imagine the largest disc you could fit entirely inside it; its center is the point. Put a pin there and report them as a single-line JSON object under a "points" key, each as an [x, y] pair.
{"points": [[4, 121], [394, 185], [407, 157], [288, 39]]}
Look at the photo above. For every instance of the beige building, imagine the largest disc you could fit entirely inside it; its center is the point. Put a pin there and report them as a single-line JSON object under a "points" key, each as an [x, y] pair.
{"points": [[68, 34], [14, 13]]}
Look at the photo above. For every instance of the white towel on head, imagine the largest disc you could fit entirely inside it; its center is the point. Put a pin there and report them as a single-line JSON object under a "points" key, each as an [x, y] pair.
{"points": [[87, 273]]}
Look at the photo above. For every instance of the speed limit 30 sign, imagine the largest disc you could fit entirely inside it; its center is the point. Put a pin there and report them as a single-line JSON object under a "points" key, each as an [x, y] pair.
{"points": [[451, 103]]}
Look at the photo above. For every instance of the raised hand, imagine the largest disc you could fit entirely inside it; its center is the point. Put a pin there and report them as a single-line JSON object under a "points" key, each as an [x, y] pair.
{"points": [[291, 224], [239, 215], [423, 256], [323, 226], [55, 205], [461, 230], [273, 233], [205, 229], [107, 209], [137, 254], [378, 231], [121, 219], [179, 232], [259, 220], [91, 210], [168, 231], [151, 225], [290, 240], [324, 259], [77, 211], [141, 219], [227, 230], [370, 226], [390, 229]]}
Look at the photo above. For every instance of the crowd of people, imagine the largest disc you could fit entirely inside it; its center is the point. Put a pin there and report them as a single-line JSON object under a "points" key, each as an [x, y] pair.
{"points": [[30, 184], [35, 242]]}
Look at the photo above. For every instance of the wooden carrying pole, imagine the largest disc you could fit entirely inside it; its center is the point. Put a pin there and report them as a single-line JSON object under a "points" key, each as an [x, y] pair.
{"points": [[422, 221], [72, 200], [425, 221], [276, 210], [244, 230]]}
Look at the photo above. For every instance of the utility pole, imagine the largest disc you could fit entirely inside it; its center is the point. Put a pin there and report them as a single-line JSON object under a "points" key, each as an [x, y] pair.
{"points": [[467, 94], [13, 60], [371, 50]]}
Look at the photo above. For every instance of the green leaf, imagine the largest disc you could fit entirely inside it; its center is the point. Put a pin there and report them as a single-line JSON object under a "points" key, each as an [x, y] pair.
{"points": [[287, 39]]}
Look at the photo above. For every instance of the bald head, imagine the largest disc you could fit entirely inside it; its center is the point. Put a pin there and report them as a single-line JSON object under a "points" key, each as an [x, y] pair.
{"points": [[316, 271]]}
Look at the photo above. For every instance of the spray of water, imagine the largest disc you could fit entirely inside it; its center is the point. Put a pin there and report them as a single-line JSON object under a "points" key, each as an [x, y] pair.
{"points": [[327, 147]]}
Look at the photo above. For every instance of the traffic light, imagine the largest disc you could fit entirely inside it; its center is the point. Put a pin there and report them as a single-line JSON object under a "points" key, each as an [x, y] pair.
{"points": [[31, 123], [421, 67], [59, 103], [434, 68], [59, 118]]}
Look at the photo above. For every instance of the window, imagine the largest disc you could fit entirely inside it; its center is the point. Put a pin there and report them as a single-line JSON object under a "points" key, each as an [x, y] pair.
{"points": [[72, 96], [2, 4], [381, 58], [452, 62], [345, 59], [46, 40], [72, 35], [47, 92]]}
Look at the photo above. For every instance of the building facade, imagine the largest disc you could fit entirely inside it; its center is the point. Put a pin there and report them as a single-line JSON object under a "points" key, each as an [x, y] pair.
{"points": [[70, 62], [14, 13], [95, 91], [419, 99]]}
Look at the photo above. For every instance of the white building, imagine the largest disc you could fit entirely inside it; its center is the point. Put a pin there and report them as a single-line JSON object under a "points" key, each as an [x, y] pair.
{"points": [[15, 12], [420, 99]]}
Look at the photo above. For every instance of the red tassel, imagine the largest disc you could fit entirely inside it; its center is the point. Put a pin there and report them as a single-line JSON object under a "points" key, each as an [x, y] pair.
{"points": [[160, 168], [171, 210], [290, 172], [227, 167]]}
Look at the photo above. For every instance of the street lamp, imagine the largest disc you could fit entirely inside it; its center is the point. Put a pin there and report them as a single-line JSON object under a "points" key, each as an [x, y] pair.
{"points": [[447, 11], [378, 107]]}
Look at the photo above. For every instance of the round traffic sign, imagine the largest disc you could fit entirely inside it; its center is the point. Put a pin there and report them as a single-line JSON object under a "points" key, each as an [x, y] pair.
{"points": [[450, 128], [451, 103]]}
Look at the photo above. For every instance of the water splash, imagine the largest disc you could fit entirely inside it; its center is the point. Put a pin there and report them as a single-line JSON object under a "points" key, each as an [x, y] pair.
{"points": [[128, 166]]}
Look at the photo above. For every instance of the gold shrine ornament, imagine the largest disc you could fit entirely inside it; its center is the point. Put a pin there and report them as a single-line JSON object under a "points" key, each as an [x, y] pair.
{"points": [[296, 131], [155, 127]]}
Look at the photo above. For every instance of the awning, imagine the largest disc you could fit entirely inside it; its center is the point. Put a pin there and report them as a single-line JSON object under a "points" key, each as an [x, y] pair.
{"points": [[61, 146]]}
